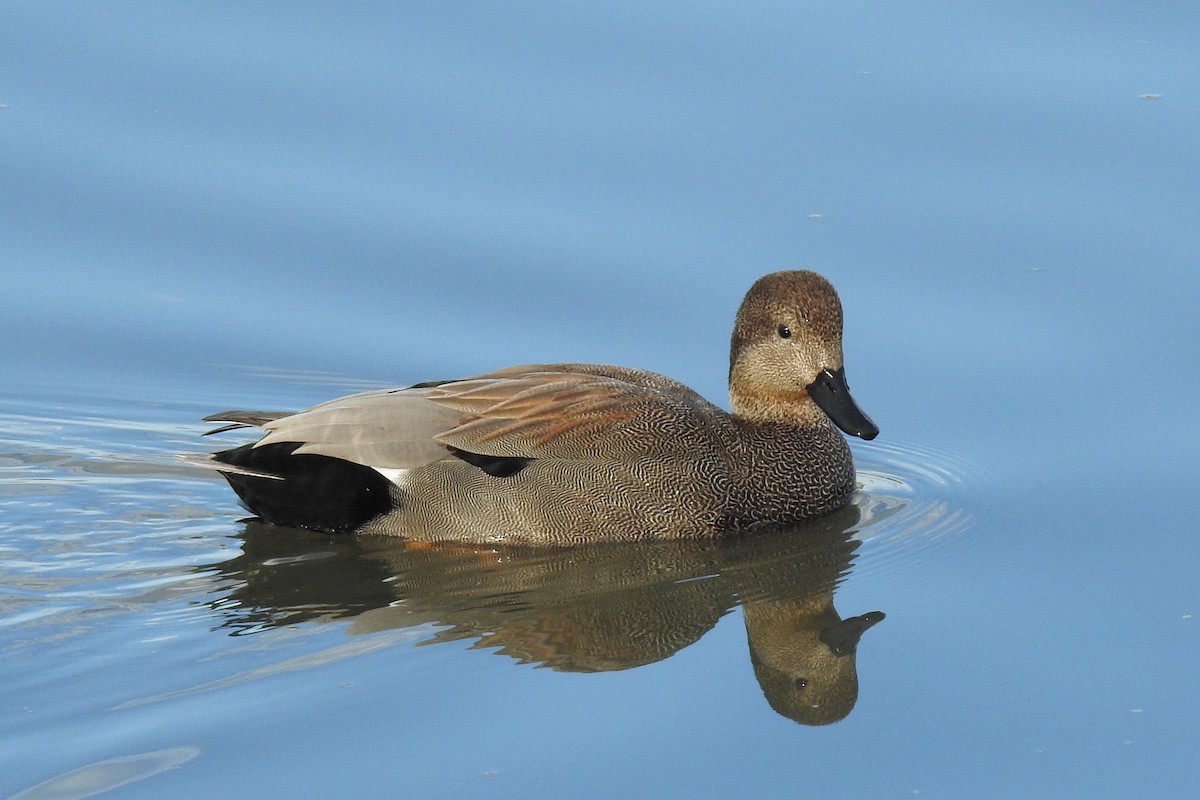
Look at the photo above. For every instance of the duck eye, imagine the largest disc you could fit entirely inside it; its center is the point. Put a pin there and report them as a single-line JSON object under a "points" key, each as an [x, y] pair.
{"points": [[784, 332]]}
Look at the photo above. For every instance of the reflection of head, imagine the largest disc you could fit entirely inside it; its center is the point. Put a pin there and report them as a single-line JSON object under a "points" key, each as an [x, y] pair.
{"points": [[805, 662], [801, 650]]}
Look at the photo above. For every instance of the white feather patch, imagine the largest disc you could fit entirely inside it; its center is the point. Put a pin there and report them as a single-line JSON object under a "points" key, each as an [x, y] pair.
{"points": [[396, 476]]}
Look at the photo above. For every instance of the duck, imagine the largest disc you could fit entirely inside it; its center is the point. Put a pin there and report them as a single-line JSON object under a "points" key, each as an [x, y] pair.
{"points": [[571, 454]]}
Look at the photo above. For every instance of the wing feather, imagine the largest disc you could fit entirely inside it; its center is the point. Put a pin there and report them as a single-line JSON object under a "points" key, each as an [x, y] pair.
{"points": [[571, 411], [389, 429], [548, 414]]}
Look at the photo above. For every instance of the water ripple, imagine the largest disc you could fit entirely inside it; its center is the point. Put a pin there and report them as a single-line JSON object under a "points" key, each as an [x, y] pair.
{"points": [[911, 498]]}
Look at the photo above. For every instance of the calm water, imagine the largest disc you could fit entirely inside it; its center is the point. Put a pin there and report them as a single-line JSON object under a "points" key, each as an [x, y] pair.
{"points": [[265, 207]]}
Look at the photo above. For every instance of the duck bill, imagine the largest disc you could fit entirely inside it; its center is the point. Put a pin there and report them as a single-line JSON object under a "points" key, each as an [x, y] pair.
{"points": [[831, 394], [843, 637]]}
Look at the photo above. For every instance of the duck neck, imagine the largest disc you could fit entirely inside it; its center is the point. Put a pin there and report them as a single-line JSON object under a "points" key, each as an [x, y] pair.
{"points": [[776, 407]]}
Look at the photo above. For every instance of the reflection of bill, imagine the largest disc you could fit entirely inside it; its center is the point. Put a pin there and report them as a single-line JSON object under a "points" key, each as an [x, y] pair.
{"points": [[591, 609]]}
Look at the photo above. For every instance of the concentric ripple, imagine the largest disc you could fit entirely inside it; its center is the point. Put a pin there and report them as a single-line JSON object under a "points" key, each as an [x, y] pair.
{"points": [[911, 498]]}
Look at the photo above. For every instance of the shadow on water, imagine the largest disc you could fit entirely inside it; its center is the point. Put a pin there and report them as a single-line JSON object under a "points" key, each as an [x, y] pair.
{"points": [[591, 609]]}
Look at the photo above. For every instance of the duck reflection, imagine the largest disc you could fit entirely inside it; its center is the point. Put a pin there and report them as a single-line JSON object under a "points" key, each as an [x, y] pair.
{"points": [[591, 609]]}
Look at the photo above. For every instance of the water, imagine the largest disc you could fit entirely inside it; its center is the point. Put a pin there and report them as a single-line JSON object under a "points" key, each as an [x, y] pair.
{"points": [[205, 208]]}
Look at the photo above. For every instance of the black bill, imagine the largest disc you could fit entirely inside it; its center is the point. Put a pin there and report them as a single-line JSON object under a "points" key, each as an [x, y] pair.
{"points": [[830, 392]]}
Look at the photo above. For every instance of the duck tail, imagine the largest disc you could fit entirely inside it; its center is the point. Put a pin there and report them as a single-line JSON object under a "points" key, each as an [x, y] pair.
{"points": [[303, 490]]}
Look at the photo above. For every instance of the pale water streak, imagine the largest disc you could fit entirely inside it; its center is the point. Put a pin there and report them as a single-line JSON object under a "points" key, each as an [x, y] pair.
{"points": [[104, 776]]}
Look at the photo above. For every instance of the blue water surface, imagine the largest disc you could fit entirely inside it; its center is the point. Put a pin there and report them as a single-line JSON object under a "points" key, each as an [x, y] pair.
{"points": [[265, 206]]}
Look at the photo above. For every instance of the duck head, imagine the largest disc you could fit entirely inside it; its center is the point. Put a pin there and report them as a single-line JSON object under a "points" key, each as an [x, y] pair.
{"points": [[785, 362]]}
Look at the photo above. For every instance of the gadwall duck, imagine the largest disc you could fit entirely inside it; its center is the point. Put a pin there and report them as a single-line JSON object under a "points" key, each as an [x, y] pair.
{"points": [[575, 453]]}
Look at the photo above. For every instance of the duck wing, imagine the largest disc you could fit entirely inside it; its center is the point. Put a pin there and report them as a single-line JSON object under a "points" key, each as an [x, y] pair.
{"points": [[546, 411], [387, 428]]}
